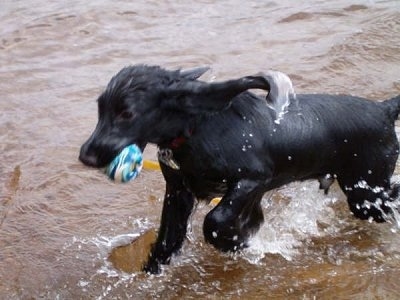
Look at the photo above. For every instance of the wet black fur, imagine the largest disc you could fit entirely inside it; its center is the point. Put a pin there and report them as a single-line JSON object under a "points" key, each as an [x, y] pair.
{"points": [[234, 148]]}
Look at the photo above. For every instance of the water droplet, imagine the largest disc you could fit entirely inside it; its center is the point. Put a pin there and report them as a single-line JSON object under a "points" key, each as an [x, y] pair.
{"points": [[369, 172], [377, 190], [83, 283], [214, 234], [345, 140], [289, 157]]}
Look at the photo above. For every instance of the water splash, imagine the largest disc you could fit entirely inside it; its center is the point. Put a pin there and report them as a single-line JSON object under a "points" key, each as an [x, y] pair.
{"points": [[287, 226], [103, 245], [280, 94]]}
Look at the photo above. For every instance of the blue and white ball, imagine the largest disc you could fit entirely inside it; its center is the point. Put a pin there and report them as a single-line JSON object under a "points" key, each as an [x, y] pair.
{"points": [[126, 165]]}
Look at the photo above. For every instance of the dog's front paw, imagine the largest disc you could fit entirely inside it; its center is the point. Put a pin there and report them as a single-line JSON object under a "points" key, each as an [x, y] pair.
{"points": [[152, 267]]}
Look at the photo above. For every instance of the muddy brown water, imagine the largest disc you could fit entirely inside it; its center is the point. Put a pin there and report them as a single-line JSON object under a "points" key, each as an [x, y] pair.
{"points": [[60, 221]]}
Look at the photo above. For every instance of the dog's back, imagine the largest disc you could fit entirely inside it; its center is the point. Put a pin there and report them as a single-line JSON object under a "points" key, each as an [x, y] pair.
{"points": [[319, 134]]}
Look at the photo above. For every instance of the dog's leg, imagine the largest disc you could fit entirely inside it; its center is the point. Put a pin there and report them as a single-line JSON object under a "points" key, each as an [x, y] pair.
{"points": [[177, 207], [229, 225], [370, 198], [368, 204]]}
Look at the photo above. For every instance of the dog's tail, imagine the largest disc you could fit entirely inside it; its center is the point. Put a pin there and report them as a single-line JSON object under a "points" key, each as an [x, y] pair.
{"points": [[280, 94], [393, 105]]}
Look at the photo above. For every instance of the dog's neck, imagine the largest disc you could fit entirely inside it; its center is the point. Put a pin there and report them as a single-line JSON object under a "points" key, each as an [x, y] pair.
{"points": [[166, 150], [175, 137], [180, 140]]}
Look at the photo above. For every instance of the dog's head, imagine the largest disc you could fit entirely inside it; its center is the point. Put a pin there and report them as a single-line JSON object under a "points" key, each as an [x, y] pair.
{"points": [[147, 104]]}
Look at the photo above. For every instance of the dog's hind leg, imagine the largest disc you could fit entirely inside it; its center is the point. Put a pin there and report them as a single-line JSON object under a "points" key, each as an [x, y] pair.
{"points": [[371, 196], [229, 225], [177, 207], [370, 204]]}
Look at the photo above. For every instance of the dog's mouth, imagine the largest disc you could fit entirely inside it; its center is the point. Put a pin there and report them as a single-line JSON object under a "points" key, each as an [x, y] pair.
{"points": [[93, 159], [101, 158]]}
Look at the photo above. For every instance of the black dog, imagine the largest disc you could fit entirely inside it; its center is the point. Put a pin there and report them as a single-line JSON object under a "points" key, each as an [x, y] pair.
{"points": [[221, 139]]}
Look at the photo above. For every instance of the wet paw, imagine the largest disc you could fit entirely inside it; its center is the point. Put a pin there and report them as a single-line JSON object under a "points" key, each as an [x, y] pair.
{"points": [[152, 267]]}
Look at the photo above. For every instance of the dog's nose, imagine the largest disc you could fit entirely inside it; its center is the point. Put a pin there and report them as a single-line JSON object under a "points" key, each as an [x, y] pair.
{"points": [[86, 157]]}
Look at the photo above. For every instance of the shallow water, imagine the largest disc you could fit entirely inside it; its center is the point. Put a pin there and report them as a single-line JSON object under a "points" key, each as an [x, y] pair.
{"points": [[59, 221]]}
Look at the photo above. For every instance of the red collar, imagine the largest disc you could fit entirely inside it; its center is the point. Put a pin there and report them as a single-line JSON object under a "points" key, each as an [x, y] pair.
{"points": [[180, 140], [177, 142]]}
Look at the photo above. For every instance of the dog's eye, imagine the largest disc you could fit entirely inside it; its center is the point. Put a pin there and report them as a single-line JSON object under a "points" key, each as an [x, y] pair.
{"points": [[126, 115]]}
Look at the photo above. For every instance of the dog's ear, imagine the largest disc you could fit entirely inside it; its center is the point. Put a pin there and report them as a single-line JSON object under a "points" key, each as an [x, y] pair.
{"points": [[193, 74], [196, 96]]}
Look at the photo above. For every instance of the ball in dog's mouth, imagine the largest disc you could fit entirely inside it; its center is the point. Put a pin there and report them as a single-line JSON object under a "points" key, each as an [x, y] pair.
{"points": [[126, 165]]}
